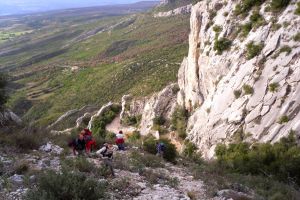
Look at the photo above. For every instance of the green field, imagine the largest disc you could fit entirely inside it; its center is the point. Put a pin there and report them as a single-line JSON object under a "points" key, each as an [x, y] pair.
{"points": [[74, 60]]}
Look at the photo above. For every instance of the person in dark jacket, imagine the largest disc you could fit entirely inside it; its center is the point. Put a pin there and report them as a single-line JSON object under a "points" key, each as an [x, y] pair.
{"points": [[78, 145]]}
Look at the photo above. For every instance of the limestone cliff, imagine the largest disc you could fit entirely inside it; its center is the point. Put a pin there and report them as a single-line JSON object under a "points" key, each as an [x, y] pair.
{"points": [[249, 90]]}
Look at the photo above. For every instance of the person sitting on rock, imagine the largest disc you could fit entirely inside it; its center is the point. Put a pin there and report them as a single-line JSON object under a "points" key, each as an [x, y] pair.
{"points": [[78, 145], [89, 140], [106, 152], [120, 141]]}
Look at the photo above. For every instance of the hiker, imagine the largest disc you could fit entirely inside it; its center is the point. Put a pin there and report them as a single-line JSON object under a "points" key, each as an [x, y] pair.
{"points": [[78, 144], [120, 141], [107, 154], [160, 148], [89, 140]]}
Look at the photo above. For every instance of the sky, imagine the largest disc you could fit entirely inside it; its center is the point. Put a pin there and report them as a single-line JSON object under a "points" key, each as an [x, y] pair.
{"points": [[8, 7]]}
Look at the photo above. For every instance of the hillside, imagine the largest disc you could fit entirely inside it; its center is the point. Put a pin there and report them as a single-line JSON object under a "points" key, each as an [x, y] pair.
{"points": [[54, 69]]}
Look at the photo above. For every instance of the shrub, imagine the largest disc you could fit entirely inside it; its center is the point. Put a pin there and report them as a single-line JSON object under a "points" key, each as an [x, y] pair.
{"points": [[256, 19], [129, 120], [136, 135], [283, 119], [221, 45], [81, 164], [107, 117], [281, 160], [66, 186], [273, 87], [245, 29], [297, 11], [237, 93], [297, 37], [160, 120], [246, 5], [217, 29], [253, 49], [170, 151], [190, 151], [278, 5], [3, 95], [179, 121], [248, 89], [286, 49], [140, 161]]}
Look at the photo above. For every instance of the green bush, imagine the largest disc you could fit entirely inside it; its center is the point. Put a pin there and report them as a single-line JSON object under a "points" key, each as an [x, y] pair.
{"points": [[246, 5], [221, 45], [245, 29], [66, 186], [136, 135], [189, 151], [179, 121], [283, 119], [253, 49], [256, 19], [149, 145], [132, 120], [217, 29], [277, 5], [3, 95], [273, 87], [80, 164], [286, 49], [159, 120], [248, 89], [297, 11], [281, 159], [237, 93], [297, 37], [107, 117]]}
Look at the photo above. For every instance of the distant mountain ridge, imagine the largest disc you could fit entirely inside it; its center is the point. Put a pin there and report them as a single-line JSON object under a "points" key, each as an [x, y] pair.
{"points": [[15, 7]]}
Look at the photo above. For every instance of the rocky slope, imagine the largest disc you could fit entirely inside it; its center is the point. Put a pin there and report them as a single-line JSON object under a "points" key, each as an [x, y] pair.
{"points": [[233, 93], [178, 11]]}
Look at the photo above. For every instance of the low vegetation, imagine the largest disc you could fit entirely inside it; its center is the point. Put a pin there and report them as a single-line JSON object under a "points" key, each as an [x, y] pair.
{"points": [[253, 49], [280, 160], [221, 45], [297, 11], [248, 89], [237, 93], [66, 186], [297, 37], [179, 121], [246, 5], [150, 146], [278, 5], [283, 119], [273, 87]]}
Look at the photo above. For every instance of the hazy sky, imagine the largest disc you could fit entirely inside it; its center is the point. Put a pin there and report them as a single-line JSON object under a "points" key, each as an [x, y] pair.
{"points": [[27, 6]]}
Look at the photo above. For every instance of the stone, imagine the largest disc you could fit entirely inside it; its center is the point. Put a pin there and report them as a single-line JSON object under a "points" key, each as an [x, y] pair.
{"points": [[51, 148], [17, 179]]}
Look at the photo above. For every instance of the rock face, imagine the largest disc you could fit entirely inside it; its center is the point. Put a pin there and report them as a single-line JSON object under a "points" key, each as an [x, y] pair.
{"points": [[159, 105], [178, 11], [7, 118], [228, 92]]}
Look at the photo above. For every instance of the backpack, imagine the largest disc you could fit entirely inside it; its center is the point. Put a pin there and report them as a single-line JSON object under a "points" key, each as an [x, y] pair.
{"points": [[162, 146], [107, 153]]}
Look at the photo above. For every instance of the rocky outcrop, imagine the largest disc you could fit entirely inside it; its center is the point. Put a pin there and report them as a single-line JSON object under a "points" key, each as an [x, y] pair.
{"points": [[8, 118], [160, 104], [178, 11], [228, 92]]}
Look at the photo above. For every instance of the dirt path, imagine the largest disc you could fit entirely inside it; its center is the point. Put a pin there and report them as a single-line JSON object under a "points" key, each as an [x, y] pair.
{"points": [[115, 126]]}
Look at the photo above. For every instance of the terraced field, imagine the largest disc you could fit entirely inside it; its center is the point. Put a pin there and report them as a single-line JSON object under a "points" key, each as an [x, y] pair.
{"points": [[72, 59]]}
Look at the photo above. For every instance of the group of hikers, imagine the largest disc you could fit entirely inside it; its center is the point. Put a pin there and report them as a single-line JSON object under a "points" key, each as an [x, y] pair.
{"points": [[86, 143]]}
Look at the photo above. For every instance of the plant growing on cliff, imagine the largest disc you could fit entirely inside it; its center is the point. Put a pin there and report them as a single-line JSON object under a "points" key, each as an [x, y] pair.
{"points": [[297, 37], [179, 121], [256, 19], [283, 119], [273, 87], [237, 93], [278, 5], [246, 5], [297, 11], [253, 49], [248, 89], [221, 45]]}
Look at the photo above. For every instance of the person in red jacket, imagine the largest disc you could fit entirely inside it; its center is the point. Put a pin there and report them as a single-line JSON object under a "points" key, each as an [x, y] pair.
{"points": [[90, 141], [120, 141]]}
